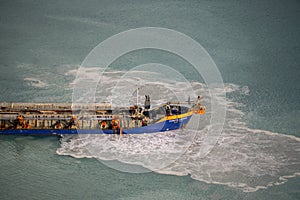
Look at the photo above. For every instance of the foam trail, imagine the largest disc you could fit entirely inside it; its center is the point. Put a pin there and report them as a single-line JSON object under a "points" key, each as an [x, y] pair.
{"points": [[243, 158], [35, 82]]}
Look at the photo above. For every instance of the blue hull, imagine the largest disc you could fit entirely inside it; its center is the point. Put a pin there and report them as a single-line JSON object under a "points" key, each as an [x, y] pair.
{"points": [[152, 128]]}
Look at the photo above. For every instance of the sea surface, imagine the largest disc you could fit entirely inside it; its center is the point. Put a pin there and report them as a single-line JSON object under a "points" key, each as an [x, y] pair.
{"points": [[256, 47]]}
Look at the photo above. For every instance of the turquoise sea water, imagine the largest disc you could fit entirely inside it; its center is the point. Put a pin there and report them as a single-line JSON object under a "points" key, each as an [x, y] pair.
{"points": [[255, 45]]}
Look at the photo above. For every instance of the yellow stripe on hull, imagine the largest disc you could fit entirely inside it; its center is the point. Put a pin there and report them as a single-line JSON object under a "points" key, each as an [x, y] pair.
{"points": [[172, 117]]}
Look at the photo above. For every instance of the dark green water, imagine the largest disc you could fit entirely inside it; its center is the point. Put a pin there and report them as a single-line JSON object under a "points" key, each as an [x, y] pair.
{"points": [[30, 169]]}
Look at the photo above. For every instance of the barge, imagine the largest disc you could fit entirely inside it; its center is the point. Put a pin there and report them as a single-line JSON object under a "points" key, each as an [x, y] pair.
{"points": [[96, 118]]}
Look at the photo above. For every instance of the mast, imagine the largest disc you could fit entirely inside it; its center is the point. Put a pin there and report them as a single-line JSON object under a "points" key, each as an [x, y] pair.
{"points": [[137, 95]]}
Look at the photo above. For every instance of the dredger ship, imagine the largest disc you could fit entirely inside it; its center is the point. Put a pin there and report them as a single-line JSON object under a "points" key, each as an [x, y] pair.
{"points": [[96, 118]]}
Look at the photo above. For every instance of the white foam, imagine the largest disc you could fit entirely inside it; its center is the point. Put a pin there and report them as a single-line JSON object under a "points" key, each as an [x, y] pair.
{"points": [[244, 158], [35, 82]]}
